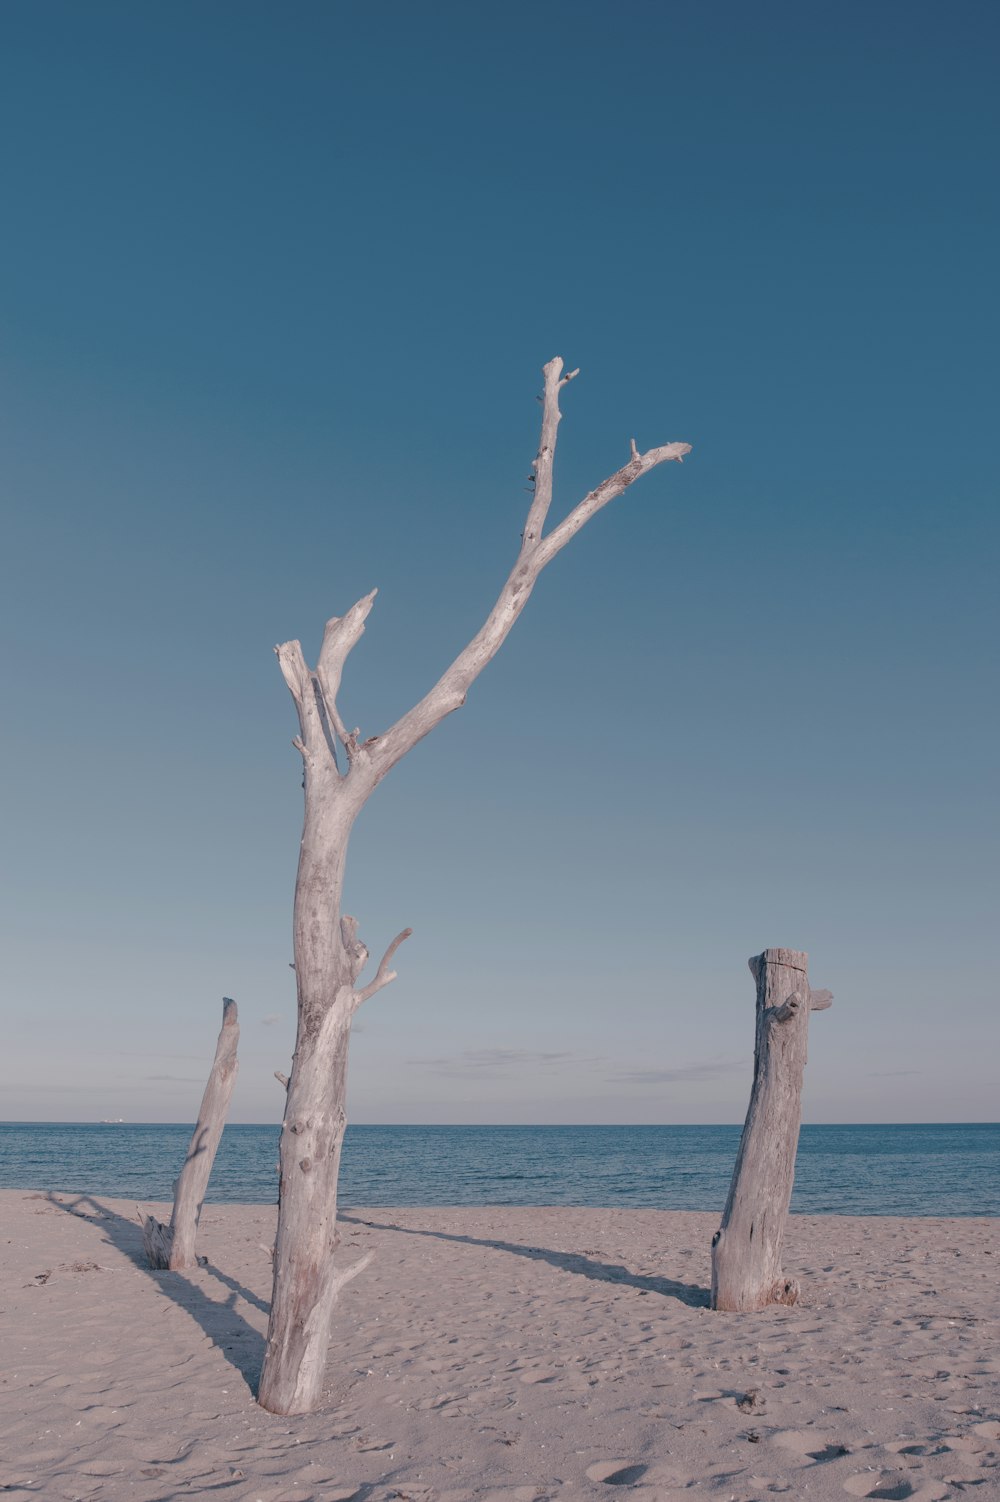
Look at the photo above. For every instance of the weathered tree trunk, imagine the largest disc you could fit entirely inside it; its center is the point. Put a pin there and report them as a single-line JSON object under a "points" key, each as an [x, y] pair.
{"points": [[328, 960], [173, 1246], [329, 957], [746, 1250]]}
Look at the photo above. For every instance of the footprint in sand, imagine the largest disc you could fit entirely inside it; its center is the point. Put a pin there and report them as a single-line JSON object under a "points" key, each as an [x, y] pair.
{"points": [[962, 1444], [515, 1494], [440, 1401], [616, 1472], [892, 1486], [813, 1448]]}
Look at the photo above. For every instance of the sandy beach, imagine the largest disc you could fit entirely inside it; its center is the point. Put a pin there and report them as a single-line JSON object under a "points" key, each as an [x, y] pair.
{"points": [[502, 1353]]}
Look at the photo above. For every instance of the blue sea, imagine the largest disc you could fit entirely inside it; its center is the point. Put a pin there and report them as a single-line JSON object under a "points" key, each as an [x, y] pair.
{"points": [[841, 1170]]}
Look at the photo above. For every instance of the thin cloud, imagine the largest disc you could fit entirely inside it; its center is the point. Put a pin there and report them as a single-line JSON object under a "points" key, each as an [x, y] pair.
{"points": [[494, 1063], [153, 1053], [270, 1019], [33, 1088], [678, 1076]]}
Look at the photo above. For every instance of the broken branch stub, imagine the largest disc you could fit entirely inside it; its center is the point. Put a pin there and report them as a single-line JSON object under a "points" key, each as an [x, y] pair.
{"points": [[746, 1250]]}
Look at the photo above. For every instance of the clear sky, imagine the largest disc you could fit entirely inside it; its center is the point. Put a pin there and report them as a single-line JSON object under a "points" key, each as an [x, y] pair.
{"points": [[277, 284]]}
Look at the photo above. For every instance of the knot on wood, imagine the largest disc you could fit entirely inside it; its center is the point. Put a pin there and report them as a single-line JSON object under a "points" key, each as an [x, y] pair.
{"points": [[788, 1009], [305, 1164]]}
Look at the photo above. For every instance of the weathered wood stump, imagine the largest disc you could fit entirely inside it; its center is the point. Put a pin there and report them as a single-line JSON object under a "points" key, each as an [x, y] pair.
{"points": [[173, 1246], [746, 1249]]}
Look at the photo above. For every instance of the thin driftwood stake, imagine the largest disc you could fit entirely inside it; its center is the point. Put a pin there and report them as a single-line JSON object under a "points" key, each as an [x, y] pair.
{"points": [[342, 770], [746, 1250], [173, 1246]]}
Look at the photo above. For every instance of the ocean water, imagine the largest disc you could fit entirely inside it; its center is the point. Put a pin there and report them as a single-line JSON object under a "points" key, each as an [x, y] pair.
{"points": [[842, 1170]]}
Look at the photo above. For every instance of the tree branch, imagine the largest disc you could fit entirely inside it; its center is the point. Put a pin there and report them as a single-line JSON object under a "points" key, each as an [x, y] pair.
{"points": [[383, 976], [544, 460], [315, 693], [820, 1000], [608, 490], [340, 1279], [342, 634], [448, 694], [299, 679]]}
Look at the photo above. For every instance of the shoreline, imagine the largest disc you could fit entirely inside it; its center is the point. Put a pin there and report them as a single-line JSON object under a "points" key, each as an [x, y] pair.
{"points": [[841, 1170], [518, 1353]]}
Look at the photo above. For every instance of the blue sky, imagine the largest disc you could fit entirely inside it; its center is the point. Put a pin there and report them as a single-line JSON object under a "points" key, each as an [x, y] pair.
{"points": [[277, 283]]}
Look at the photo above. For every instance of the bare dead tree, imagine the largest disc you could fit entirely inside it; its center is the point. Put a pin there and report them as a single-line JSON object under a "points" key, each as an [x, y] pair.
{"points": [[341, 773], [173, 1246], [746, 1250]]}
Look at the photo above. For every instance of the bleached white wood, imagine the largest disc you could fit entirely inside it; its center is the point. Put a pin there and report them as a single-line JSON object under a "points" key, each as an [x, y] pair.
{"points": [[173, 1246], [329, 956], [746, 1250]]}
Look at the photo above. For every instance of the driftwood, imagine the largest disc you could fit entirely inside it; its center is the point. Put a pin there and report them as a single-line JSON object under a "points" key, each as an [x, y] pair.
{"points": [[173, 1246], [746, 1250], [341, 772]]}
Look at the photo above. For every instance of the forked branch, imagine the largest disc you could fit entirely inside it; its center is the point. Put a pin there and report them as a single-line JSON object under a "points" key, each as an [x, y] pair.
{"points": [[383, 975], [315, 693], [340, 1279], [448, 694]]}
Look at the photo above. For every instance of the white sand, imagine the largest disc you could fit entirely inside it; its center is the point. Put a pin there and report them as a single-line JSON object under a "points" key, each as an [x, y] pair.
{"points": [[523, 1354]]}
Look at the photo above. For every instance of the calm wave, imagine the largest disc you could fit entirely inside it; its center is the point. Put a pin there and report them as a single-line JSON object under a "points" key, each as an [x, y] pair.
{"points": [[846, 1170]]}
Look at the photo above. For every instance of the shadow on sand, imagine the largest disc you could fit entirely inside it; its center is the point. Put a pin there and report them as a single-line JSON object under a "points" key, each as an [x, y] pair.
{"points": [[241, 1345], [571, 1262]]}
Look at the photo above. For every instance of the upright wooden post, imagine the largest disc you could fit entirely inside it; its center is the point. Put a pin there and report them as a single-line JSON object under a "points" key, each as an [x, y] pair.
{"points": [[746, 1250], [172, 1246]]}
